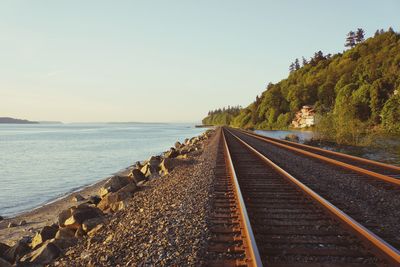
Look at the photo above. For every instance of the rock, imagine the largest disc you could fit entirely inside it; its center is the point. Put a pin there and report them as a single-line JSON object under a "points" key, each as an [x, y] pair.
{"points": [[43, 255], [178, 145], [63, 216], [112, 198], [47, 232], [154, 161], [65, 233], [137, 165], [182, 156], [22, 223], [1, 218], [15, 252], [183, 151], [292, 137], [3, 249], [90, 224], [79, 232], [114, 184], [151, 168], [81, 214], [4, 263], [137, 176], [150, 171], [94, 199], [117, 206], [167, 165], [65, 238], [11, 225], [146, 170], [64, 243], [187, 140], [92, 232], [78, 198], [172, 153], [129, 188]]}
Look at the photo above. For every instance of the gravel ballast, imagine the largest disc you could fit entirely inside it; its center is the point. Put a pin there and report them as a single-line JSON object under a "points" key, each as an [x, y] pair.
{"points": [[374, 206], [164, 224]]}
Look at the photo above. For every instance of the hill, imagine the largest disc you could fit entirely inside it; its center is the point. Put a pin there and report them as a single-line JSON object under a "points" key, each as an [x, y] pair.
{"points": [[18, 121], [354, 92]]}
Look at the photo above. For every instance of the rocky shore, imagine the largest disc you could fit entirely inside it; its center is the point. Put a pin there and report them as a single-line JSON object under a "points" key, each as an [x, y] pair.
{"points": [[151, 214]]}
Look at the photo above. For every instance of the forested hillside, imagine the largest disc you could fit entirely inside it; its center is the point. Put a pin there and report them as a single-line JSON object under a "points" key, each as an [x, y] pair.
{"points": [[354, 91]]}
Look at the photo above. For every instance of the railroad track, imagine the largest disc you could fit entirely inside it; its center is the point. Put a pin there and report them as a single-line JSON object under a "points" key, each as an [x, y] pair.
{"points": [[377, 170], [264, 216]]}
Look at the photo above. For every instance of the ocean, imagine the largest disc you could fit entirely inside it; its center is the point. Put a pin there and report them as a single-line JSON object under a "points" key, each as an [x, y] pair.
{"points": [[42, 162]]}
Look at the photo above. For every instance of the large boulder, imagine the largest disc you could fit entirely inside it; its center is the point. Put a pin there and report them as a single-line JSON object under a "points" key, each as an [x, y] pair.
{"points": [[65, 238], [138, 165], [150, 170], [90, 224], [168, 164], [172, 153], [178, 145], [292, 138], [65, 233], [92, 232], [78, 198], [43, 255], [16, 252], [4, 263], [154, 161], [137, 176], [63, 216], [47, 232], [120, 205], [184, 151], [112, 198], [114, 184], [95, 199], [3, 249], [64, 243], [80, 214]]}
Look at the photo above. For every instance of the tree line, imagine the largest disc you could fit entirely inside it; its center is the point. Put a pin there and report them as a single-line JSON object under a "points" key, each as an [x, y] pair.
{"points": [[354, 92]]}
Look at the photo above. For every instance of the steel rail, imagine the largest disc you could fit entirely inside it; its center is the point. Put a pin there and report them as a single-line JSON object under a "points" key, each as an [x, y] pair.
{"points": [[385, 249], [347, 166], [251, 249], [359, 159]]}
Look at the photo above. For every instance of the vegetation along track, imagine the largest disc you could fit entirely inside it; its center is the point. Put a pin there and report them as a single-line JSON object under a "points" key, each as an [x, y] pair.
{"points": [[373, 203], [292, 225]]}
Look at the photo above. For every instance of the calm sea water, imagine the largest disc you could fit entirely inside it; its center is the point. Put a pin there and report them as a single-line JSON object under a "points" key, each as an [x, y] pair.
{"points": [[380, 153], [39, 163]]}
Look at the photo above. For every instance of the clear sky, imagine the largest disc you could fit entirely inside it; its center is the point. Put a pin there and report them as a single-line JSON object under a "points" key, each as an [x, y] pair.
{"points": [[166, 61]]}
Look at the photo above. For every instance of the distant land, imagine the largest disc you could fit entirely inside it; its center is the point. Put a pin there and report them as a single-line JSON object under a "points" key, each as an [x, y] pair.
{"points": [[20, 121]]}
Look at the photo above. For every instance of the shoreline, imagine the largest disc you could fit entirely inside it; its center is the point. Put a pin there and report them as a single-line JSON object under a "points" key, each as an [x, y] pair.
{"points": [[44, 214], [51, 231]]}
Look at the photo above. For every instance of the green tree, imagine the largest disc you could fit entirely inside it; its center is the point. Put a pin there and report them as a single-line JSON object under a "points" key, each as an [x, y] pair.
{"points": [[391, 115], [359, 36], [350, 39]]}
